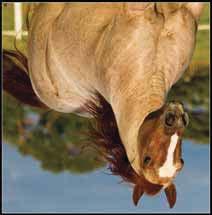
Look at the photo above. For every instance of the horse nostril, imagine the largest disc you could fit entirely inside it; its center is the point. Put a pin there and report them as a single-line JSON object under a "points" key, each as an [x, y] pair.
{"points": [[147, 160], [182, 161], [170, 119]]}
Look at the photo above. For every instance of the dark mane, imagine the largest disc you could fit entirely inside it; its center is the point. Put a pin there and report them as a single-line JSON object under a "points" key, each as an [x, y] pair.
{"points": [[16, 80], [105, 135]]}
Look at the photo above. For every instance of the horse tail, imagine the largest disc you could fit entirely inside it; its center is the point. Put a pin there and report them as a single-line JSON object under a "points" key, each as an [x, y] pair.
{"points": [[16, 79]]}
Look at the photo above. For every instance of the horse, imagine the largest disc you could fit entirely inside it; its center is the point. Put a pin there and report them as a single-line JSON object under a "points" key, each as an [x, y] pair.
{"points": [[114, 63]]}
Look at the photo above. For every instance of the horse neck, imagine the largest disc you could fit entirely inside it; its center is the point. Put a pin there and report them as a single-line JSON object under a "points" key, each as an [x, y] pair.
{"points": [[132, 100]]}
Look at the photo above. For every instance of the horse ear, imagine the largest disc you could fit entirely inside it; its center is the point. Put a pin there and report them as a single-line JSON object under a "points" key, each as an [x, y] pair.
{"points": [[137, 193], [171, 195], [135, 8], [196, 8]]}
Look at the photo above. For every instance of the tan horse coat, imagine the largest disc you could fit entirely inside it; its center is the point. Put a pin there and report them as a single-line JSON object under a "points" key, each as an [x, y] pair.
{"points": [[131, 53]]}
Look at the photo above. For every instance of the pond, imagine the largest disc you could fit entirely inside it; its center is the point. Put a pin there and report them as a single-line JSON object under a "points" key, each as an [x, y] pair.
{"points": [[44, 169]]}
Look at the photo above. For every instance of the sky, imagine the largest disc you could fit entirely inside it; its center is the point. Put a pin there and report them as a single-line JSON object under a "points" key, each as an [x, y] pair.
{"points": [[28, 188]]}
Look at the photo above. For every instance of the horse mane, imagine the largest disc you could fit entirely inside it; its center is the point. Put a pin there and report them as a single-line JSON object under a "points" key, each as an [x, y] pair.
{"points": [[104, 134], [16, 81]]}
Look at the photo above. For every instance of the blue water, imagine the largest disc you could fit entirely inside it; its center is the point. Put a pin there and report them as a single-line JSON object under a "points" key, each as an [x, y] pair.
{"points": [[28, 188]]}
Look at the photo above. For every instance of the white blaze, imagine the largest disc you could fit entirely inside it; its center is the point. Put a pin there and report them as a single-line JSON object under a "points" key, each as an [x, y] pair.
{"points": [[168, 169]]}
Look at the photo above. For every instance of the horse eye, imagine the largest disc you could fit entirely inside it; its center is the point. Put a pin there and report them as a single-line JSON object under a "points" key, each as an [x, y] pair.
{"points": [[147, 159]]}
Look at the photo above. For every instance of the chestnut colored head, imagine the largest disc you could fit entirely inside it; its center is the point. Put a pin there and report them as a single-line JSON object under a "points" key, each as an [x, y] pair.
{"points": [[160, 138], [160, 147]]}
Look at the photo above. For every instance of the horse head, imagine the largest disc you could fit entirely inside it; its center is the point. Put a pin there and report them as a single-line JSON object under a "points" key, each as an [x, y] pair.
{"points": [[160, 140], [160, 143]]}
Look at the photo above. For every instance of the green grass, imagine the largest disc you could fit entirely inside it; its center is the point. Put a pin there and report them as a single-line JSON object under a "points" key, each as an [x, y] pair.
{"points": [[8, 16], [201, 53], [205, 16], [8, 43]]}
